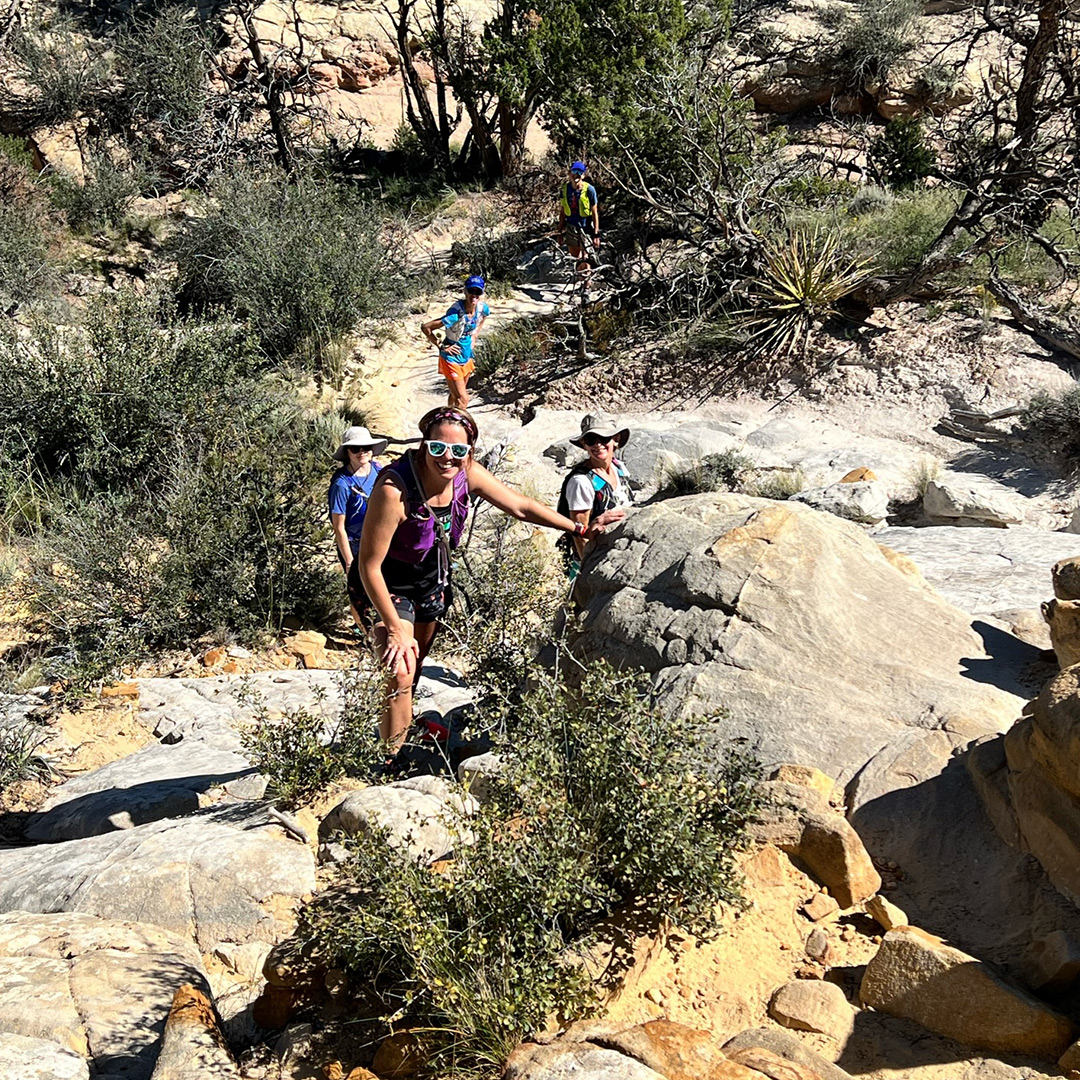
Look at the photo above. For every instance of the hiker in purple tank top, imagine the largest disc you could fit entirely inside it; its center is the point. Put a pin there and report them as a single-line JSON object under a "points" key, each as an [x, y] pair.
{"points": [[415, 519]]}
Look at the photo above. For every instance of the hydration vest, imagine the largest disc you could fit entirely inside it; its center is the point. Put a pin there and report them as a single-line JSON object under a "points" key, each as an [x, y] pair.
{"points": [[584, 209], [419, 532], [603, 496]]}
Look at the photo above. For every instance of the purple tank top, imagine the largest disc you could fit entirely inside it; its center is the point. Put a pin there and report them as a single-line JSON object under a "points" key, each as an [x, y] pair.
{"points": [[416, 535]]}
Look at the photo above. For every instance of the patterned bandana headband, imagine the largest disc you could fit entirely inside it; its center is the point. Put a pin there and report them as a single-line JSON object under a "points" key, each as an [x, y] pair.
{"points": [[456, 416]]}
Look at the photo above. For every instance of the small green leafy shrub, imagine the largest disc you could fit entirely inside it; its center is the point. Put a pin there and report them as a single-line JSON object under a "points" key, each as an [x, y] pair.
{"points": [[490, 251], [299, 260], [900, 154], [300, 752], [727, 471], [27, 269], [1050, 426], [518, 343], [896, 236], [604, 802]]}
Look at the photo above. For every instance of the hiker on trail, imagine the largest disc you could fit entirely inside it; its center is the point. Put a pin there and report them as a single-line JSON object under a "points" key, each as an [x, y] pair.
{"points": [[459, 325], [598, 485], [350, 488], [579, 217], [416, 518]]}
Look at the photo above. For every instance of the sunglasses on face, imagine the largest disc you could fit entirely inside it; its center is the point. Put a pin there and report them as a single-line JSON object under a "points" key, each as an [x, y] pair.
{"points": [[597, 440], [474, 292], [359, 449], [435, 448]]}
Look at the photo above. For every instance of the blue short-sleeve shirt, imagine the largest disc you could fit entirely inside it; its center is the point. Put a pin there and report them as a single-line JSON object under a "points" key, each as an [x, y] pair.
{"points": [[349, 495], [459, 327]]}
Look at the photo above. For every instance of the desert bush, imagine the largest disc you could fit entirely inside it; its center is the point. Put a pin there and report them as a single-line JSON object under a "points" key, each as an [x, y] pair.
{"points": [[300, 751], [104, 198], [604, 802], [870, 46], [519, 342], [490, 250], [508, 587], [921, 474], [171, 489], [301, 260], [27, 269], [898, 235], [1050, 427], [21, 741], [779, 484], [726, 471], [901, 155]]}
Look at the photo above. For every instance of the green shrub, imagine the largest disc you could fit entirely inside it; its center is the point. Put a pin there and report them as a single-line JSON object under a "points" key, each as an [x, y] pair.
{"points": [[897, 236], [779, 484], [869, 47], [900, 154], [490, 250], [20, 757], [105, 196], [726, 471], [1050, 426], [517, 343], [604, 802], [300, 752], [27, 269], [300, 260], [172, 491]]}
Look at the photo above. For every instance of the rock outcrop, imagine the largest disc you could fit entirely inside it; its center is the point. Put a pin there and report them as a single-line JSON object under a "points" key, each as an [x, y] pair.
{"points": [[788, 620], [917, 976], [227, 874], [95, 990], [193, 1047]]}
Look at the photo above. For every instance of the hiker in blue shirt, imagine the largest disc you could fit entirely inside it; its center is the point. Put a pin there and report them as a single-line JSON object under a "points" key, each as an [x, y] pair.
{"points": [[459, 325], [579, 217], [348, 496]]}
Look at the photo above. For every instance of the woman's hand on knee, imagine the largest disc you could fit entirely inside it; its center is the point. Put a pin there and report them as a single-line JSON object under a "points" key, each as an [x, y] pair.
{"points": [[400, 652]]}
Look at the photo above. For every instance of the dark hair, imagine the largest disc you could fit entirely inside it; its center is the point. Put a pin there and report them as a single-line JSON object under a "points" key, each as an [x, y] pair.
{"points": [[449, 415]]}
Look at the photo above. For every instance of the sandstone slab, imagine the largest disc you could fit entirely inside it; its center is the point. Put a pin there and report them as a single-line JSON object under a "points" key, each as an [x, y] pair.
{"points": [[917, 976], [223, 875], [965, 499], [95, 989], [27, 1058], [864, 501], [786, 618], [193, 1047], [785, 1046]]}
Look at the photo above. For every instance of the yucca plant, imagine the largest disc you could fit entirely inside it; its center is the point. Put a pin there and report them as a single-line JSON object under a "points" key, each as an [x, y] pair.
{"points": [[805, 276]]}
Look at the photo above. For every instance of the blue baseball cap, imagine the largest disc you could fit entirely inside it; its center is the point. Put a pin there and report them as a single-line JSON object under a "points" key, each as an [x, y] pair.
{"points": [[475, 282], [578, 166]]}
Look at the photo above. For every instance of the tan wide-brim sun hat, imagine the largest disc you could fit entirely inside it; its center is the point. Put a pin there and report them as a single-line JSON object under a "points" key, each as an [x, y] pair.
{"points": [[601, 424], [360, 438]]}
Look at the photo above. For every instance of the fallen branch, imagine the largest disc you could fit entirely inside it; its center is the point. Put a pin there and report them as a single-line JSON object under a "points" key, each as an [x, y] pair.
{"points": [[1057, 335]]}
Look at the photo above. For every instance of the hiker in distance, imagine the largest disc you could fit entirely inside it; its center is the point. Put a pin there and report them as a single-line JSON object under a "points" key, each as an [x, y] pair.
{"points": [[579, 217], [416, 518], [460, 324], [347, 497], [597, 485]]}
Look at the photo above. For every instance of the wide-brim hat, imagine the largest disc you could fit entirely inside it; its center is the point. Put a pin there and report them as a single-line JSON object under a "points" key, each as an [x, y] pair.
{"points": [[361, 438], [603, 425]]}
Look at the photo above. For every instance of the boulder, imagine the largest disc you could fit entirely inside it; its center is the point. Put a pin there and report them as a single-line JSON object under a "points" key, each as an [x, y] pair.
{"points": [[1063, 618], [885, 913], [309, 646], [675, 1051], [917, 976], [94, 989], [227, 874], [805, 776], [1052, 963], [561, 1061], [813, 1005], [820, 906], [864, 501], [418, 816], [193, 1047], [747, 1045], [965, 500], [25, 1058], [476, 775], [1065, 575], [801, 823], [785, 618]]}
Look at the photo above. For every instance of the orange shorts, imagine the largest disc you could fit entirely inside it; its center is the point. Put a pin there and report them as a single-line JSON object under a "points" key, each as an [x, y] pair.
{"points": [[456, 371]]}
